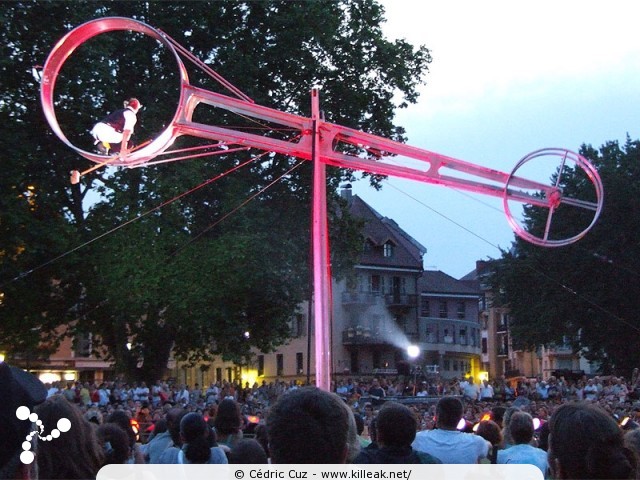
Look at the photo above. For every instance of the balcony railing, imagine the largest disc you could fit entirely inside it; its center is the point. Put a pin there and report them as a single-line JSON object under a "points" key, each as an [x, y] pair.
{"points": [[385, 371], [359, 298], [367, 336], [400, 300], [362, 336], [560, 350]]}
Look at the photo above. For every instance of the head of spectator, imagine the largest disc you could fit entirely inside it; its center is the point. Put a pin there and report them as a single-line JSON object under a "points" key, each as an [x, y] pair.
{"points": [[448, 413], [123, 420], [368, 409], [490, 431], [586, 442], [17, 389], [497, 414], [174, 416], [521, 428], [248, 451], [506, 434], [160, 426], [396, 426], [75, 454], [308, 425], [228, 420], [94, 416], [196, 438], [115, 443]]}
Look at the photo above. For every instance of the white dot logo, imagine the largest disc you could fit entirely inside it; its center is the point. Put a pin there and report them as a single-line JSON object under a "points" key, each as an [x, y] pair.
{"points": [[23, 413], [64, 425]]}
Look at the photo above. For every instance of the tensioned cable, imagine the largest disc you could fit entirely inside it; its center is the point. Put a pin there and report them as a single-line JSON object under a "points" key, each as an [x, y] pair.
{"points": [[167, 202], [234, 210], [443, 216], [191, 156], [209, 71]]}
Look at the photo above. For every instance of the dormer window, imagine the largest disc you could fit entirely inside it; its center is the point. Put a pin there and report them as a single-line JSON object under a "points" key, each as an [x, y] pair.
{"points": [[387, 250]]}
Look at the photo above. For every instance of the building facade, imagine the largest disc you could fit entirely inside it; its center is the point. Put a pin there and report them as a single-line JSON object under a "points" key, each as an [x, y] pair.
{"points": [[70, 362], [450, 327], [385, 304]]}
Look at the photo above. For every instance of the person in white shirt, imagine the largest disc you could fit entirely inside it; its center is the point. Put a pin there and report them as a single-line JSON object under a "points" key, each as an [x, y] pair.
{"points": [[113, 132], [471, 391], [141, 392], [446, 442], [183, 396], [486, 391], [590, 390]]}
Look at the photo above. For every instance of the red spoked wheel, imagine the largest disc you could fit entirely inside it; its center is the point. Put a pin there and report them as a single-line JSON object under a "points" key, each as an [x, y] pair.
{"points": [[576, 193]]}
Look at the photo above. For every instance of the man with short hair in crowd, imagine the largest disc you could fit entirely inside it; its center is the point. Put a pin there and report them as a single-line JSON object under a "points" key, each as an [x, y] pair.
{"points": [[308, 425], [396, 429], [376, 390], [521, 430], [446, 442]]}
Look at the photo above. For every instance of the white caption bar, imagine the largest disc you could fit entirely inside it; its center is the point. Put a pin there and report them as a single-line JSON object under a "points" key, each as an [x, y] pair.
{"points": [[319, 472]]}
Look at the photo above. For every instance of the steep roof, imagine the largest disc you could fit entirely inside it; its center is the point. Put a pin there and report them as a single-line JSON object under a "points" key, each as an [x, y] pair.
{"points": [[435, 281], [379, 230]]}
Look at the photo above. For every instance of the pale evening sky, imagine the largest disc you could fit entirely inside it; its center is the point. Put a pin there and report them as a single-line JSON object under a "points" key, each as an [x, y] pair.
{"points": [[507, 78]]}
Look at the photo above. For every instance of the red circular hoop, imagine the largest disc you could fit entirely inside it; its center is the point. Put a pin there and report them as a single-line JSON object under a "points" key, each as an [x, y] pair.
{"points": [[63, 50]]}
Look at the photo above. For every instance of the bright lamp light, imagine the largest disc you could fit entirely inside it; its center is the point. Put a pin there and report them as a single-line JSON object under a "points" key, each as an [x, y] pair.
{"points": [[413, 351]]}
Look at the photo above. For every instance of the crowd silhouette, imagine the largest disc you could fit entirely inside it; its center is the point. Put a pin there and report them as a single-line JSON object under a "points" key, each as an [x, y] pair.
{"points": [[577, 428]]}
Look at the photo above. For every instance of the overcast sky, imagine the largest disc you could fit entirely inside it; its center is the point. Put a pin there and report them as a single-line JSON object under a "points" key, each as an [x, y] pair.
{"points": [[507, 78]]}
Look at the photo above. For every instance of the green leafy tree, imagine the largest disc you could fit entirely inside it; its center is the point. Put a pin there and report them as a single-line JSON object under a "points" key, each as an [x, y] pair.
{"points": [[586, 292], [159, 270]]}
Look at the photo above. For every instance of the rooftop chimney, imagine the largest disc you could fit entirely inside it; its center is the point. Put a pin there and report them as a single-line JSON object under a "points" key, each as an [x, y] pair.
{"points": [[346, 192]]}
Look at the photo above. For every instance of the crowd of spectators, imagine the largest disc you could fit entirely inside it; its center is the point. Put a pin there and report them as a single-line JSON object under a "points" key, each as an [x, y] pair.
{"points": [[388, 420], [615, 394]]}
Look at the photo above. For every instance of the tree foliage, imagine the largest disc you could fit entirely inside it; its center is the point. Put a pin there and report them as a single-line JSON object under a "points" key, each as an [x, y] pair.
{"points": [[588, 291], [126, 255]]}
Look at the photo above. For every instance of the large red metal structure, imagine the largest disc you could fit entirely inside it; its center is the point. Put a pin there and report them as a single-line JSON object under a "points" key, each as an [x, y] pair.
{"points": [[321, 141]]}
